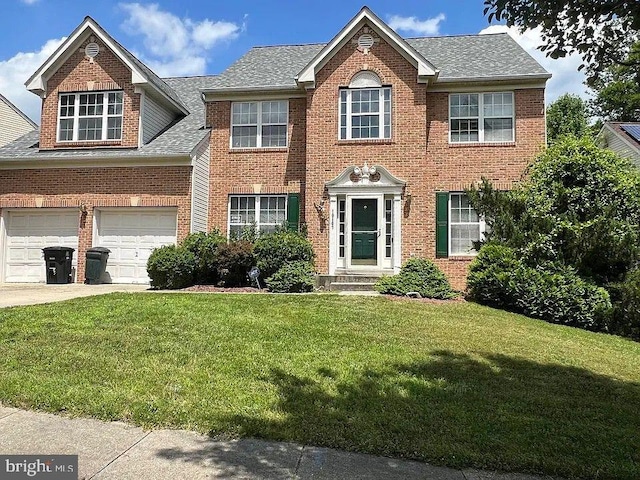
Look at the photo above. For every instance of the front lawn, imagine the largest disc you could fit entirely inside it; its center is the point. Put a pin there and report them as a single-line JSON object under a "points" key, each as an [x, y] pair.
{"points": [[453, 384]]}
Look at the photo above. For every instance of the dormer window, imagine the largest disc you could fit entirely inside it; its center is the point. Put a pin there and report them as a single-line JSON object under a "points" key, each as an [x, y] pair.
{"points": [[90, 117], [365, 108]]}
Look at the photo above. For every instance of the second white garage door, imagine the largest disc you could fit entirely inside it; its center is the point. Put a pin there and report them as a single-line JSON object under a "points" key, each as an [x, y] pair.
{"points": [[131, 235]]}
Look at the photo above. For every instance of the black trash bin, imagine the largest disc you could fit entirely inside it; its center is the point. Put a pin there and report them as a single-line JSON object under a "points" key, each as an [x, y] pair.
{"points": [[96, 264], [58, 264]]}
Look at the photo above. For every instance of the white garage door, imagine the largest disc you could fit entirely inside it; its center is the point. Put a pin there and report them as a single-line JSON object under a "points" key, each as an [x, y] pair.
{"points": [[28, 232], [131, 235]]}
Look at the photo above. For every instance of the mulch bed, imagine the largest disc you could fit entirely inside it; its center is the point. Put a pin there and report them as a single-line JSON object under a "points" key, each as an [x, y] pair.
{"points": [[213, 288]]}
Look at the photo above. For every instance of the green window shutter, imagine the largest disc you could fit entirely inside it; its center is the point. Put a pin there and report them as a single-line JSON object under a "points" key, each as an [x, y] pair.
{"points": [[442, 224], [293, 211]]}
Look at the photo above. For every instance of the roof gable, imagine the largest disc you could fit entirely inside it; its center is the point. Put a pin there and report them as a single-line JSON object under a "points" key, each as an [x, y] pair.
{"points": [[425, 70], [141, 75]]}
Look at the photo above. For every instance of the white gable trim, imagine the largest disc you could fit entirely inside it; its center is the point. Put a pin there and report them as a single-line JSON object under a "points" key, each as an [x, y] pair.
{"points": [[37, 83], [426, 70]]}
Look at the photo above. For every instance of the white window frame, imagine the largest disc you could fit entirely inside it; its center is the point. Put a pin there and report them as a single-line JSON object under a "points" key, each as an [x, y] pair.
{"points": [[257, 222], [381, 113], [259, 125], [481, 224], [76, 116], [481, 118]]}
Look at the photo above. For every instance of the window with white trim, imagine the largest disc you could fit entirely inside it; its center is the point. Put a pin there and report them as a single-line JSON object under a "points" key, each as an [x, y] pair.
{"points": [[259, 124], [481, 117], [265, 213], [465, 225], [86, 117], [365, 108]]}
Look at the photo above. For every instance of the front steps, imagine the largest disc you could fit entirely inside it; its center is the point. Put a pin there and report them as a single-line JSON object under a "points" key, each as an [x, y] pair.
{"points": [[348, 282]]}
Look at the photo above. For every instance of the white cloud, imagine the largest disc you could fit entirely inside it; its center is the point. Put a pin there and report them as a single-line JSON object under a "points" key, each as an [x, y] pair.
{"points": [[430, 26], [175, 46], [566, 77], [17, 70]]}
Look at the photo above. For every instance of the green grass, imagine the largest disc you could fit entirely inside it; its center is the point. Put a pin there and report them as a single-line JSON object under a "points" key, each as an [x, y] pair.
{"points": [[454, 384]]}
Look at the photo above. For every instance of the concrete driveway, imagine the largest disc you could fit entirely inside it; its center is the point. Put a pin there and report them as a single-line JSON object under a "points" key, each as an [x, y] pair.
{"points": [[14, 294]]}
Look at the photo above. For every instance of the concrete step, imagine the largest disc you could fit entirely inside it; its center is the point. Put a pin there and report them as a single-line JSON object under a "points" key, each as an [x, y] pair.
{"points": [[356, 278], [352, 286]]}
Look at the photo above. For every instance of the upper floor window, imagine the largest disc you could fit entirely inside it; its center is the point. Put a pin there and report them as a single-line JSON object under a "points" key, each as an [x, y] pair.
{"points": [[481, 117], [365, 108], [259, 124], [90, 116]]}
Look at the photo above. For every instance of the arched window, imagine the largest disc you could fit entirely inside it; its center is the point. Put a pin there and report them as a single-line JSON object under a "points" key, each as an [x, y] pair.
{"points": [[365, 108]]}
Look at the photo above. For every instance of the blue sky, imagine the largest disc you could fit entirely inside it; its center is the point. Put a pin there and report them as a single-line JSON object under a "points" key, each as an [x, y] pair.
{"points": [[191, 37]]}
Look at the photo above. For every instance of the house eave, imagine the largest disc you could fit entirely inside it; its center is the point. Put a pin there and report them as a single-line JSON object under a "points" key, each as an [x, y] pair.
{"points": [[307, 75], [43, 162], [233, 93]]}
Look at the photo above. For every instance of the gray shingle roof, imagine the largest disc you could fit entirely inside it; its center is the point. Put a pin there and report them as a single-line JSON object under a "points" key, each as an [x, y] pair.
{"points": [[179, 139], [457, 57]]}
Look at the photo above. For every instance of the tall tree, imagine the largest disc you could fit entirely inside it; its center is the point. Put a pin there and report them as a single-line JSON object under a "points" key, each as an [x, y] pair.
{"points": [[566, 116], [617, 90], [601, 31]]}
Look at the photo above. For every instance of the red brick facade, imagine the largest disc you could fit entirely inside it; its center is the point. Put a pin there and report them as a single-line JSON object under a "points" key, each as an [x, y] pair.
{"points": [[418, 151], [79, 74], [95, 188]]}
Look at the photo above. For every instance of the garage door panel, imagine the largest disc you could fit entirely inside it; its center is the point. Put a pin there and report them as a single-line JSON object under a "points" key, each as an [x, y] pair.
{"points": [[28, 232], [131, 236]]}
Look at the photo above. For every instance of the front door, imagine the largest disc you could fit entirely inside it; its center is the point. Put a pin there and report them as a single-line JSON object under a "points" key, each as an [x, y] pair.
{"points": [[364, 231]]}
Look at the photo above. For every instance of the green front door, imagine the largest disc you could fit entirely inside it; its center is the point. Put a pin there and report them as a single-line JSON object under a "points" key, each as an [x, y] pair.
{"points": [[364, 230]]}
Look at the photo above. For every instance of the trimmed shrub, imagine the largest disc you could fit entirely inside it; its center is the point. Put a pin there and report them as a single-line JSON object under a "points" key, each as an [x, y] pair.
{"points": [[294, 277], [625, 296], [204, 246], [490, 276], [234, 260], [553, 293], [417, 275], [274, 250], [171, 267]]}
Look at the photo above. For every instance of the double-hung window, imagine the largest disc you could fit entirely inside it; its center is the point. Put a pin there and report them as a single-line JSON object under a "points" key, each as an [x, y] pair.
{"points": [[259, 124], [264, 212], [458, 225], [481, 117], [365, 108], [86, 117]]}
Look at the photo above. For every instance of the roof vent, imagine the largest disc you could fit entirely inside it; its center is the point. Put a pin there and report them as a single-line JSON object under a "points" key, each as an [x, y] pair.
{"points": [[365, 41], [92, 49]]}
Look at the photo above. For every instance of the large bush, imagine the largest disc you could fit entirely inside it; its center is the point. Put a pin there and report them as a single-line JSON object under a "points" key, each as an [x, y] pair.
{"points": [[293, 277], [417, 275], [234, 260], [580, 207], [552, 292], [171, 267], [274, 250], [205, 246]]}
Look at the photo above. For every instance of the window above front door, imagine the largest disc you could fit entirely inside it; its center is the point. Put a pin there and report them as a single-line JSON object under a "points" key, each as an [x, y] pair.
{"points": [[365, 108]]}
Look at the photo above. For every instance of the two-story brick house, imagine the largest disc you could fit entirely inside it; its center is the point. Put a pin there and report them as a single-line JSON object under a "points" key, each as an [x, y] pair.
{"points": [[369, 140]]}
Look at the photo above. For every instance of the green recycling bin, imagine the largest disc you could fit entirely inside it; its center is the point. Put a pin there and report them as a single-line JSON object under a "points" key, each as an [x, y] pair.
{"points": [[96, 265]]}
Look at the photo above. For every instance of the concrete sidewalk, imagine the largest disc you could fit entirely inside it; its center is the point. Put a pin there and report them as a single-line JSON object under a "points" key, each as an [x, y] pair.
{"points": [[119, 451], [15, 294]]}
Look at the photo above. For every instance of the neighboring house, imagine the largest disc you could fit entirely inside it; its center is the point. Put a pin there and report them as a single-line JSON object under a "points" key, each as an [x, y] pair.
{"points": [[623, 138], [369, 140], [13, 123]]}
